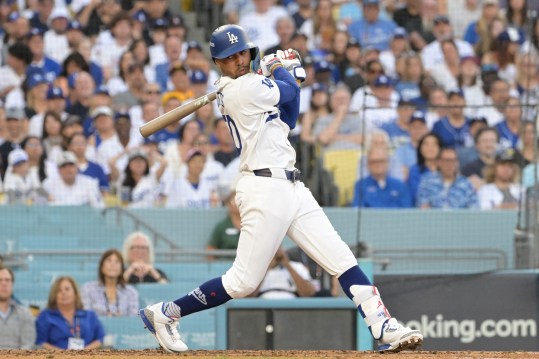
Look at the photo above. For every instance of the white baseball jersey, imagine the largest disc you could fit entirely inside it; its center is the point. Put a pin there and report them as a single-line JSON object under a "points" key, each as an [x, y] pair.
{"points": [[181, 194], [249, 106]]}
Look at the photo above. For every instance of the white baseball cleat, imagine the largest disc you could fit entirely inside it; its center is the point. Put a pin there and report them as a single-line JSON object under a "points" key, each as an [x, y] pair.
{"points": [[164, 328], [396, 337]]}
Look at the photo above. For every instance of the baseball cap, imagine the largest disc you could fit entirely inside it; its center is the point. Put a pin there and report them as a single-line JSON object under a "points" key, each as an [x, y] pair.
{"points": [[441, 19], [455, 92], [490, 2], [102, 90], [58, 12], [507, 155], [489, 68], [322, 66], [74, 25], [176, 21], [474, 59], [13, 16], [161, 23], [35, 32], [299, 34], [101, 110], [55, 92], [16, 157], [418, 116], [352, 42], [383, 80], [400, 33], [317, 86], [371, 2], [121, 114], [198, 77], [406, 102], [36, 78], [167, 96], [15, 113], [194, 45], [66, 158], [140, 16], [192, 153], [509, 35]]}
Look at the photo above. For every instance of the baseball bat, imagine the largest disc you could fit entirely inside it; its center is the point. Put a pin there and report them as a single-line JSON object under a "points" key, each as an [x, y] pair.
{"points": [[177, 114]]}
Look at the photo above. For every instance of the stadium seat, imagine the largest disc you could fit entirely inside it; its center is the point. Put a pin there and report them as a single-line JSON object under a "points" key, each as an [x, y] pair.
{"points": [[343, 165]]}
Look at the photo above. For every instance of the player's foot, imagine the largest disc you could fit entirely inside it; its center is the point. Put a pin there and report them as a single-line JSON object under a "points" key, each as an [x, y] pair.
{"points": [[395, 337], [164, 328]]}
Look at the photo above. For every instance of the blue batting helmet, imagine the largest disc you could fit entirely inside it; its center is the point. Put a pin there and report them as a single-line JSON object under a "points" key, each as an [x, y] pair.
{"points": [[227, 40]]}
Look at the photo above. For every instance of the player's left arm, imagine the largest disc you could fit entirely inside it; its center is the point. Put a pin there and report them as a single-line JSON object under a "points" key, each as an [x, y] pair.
{"points": [[289, 99]]}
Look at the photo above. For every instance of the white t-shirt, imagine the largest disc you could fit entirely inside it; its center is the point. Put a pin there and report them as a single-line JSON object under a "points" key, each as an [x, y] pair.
{"points": [[56, 46], [490, 196], [144, 193], [261, 27], [432, 54], [85, 191], [279, 284], [249, 104], [373, 117]]}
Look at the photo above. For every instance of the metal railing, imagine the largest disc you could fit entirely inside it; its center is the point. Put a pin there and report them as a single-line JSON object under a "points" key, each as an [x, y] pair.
{"points": [[139, 224]]}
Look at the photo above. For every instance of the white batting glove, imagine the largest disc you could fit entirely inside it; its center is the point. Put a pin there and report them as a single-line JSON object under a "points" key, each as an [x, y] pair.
{"points": [[289, 58], [269, 63]]}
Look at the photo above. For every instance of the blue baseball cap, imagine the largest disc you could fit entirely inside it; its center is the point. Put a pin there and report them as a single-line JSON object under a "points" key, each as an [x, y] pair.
{"points": [[17, 156], [441, 19], [455, 92], [161, 23], [371, 2], [55, 92], [400, 33], [35, 32], [509, 35], [383, 81], [74, 25], [13, 16], [140, 16], [418, 116], [322, 66], [194, 45], [317, 86], [198, 77], [102, 90], [121, 114], [35, 78]]}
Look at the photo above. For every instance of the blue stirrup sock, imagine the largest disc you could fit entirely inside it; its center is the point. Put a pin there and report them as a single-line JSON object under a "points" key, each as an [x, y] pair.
{"points": [[359, 288], [208, 295]]}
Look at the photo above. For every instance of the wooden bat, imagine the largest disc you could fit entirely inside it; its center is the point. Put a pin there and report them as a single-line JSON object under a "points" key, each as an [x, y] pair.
{"points": [[177, 114]]}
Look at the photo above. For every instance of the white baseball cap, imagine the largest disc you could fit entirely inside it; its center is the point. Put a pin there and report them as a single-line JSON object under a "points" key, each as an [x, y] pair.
{"points": [[16, 157], [67, 157], [101, 110]]}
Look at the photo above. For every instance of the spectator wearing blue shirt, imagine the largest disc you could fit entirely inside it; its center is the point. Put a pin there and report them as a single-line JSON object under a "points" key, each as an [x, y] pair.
{"points": [[64, 324], [509, 128], [428, 151], [407, 153], [51, 69], [378, 190], [479, 28], [408, 85], [453, 129], [397, 130], [371, 31], [446, 188]]}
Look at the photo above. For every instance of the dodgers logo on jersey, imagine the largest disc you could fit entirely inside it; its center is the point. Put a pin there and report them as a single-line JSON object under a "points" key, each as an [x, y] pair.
{"points": [[232, 38]]}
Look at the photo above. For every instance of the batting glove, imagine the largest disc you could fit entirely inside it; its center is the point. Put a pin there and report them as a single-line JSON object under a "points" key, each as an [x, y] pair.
{"points": [[269, 63], [289, 58]]}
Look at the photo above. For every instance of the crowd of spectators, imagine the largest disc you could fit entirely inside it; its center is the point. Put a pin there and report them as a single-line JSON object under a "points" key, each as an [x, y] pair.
{"points": [[399, 80]]}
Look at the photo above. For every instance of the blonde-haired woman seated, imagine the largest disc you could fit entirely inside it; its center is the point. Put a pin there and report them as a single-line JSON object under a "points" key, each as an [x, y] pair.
{"points": [[139, 258]]}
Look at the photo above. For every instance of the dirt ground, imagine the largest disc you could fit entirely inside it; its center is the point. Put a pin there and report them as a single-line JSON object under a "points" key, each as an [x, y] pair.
{"points": [[202, 354]]}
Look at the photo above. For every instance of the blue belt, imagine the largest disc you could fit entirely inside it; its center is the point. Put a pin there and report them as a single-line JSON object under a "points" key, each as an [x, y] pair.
{"points": [[292, 176]]}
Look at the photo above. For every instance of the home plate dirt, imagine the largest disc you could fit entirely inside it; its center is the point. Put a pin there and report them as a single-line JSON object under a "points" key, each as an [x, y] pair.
{"points": [[223, 354]]}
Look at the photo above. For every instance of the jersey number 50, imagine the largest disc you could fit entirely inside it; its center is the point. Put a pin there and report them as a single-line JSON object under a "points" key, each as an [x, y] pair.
{"points": [[233, 132]]}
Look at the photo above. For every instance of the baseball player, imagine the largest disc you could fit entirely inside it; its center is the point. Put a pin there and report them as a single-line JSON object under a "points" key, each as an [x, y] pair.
{"points": [[260, 110]]}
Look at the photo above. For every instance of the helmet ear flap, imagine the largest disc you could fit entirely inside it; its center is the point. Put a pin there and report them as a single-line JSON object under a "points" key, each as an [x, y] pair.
{"points": [[255, 59]]}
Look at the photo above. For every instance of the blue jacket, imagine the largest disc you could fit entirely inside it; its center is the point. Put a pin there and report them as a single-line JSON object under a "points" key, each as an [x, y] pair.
{"points": [[52, 328], [395, 194], [460, 194]]}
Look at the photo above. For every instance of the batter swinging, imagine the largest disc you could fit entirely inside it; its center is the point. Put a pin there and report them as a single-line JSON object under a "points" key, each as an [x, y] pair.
{"points": [[273, 202]]}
